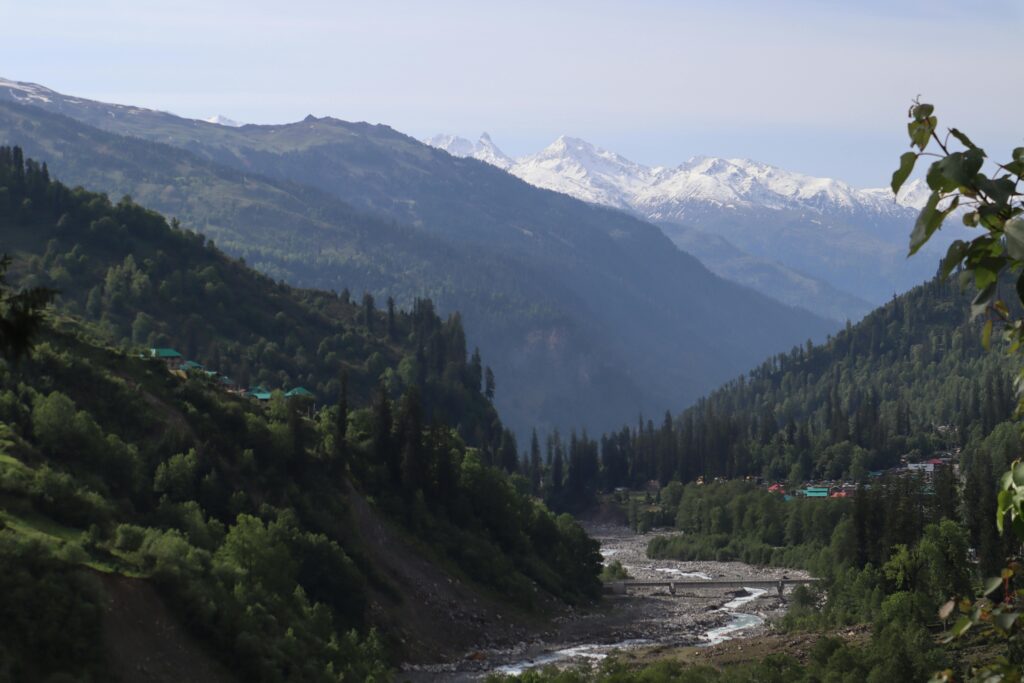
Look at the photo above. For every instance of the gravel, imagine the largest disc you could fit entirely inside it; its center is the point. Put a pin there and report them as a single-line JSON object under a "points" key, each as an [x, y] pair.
{"points": [[644, 618]]}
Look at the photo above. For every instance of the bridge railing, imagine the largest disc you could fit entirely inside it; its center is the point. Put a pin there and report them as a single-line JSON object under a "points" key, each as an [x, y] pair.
{"points": [[621, 587]]}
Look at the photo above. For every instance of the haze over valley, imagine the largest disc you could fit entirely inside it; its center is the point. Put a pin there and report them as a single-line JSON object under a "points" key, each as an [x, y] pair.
{"points": [[704, 366]]}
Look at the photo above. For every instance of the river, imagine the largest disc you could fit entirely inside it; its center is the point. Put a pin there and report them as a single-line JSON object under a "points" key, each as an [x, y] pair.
{"points": [[645, 618]]}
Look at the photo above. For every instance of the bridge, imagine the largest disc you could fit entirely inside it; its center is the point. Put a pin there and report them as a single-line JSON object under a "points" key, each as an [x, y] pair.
{"points": [[622, 587]]}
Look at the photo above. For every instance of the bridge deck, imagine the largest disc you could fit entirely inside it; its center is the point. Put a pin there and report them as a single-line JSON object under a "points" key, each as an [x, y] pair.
{"points": [[621, 587], [717, 583]]}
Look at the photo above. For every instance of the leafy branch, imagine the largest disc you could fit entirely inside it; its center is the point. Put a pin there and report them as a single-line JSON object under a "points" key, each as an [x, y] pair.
{"points": [[956, 179]]}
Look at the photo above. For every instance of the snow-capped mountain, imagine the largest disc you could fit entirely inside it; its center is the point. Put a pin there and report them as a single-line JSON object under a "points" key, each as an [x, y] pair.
{"points": [[576, 167], [809, 238], [222, 120], [483, 149]]}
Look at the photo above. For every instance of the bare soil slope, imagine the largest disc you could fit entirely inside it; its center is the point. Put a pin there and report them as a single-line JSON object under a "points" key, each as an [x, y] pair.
{"points": [[144, 641], [436, 615]]}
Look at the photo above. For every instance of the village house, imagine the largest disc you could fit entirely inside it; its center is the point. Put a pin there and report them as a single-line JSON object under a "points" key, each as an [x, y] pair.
{"points": [[171, 358]]}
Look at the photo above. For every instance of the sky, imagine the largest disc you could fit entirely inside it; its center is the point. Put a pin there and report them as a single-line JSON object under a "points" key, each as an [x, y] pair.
{"points": [[816, 86]]}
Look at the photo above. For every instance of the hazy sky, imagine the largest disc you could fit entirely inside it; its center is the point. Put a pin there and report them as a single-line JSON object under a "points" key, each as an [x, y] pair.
{"points": [[817, 86]]}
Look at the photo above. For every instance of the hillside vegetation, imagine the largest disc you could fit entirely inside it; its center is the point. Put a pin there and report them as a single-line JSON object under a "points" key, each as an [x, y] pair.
{"points": [[249, 518], [908, 382]]}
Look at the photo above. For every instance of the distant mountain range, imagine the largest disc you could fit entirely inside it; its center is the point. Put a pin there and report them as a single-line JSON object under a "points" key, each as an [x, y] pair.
{"points": [[587, 315], [813, 242]]}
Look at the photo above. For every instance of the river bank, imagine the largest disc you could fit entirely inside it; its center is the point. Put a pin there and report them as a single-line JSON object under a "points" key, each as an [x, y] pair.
{"points": [[644, 619]]}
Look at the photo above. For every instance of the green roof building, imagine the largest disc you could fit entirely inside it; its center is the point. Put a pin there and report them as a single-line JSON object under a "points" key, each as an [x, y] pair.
{"points": [[816, 492], [299, 392], [164, 354], [259, 393]]}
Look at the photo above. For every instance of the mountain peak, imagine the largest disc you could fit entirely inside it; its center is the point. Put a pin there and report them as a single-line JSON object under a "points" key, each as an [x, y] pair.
{"points": [[221, 120], [483, 149], [27, 92]]}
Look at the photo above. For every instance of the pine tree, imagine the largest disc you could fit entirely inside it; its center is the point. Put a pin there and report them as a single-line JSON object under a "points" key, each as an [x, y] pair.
{"points": [[410, 431], [489, 383], [384, 450], [535, 464], [341, 423], [368, 311], [391, 318]]}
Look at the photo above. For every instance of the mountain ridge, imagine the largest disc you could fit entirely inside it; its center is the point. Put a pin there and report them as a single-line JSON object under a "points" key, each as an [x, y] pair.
{"points": [[587, 313], [770, 216]]}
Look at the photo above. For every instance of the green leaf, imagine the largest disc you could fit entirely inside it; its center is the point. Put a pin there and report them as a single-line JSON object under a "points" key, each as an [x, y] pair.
{"points": [[1018, 473], [954, 255], [986, 335], [992, 584], [922, 111], [955, 170], [964, 140], [961, 626], [900, 175], [920, 131], [985, 273], [971, 219], [999, 190], [1004, 620], [1004, 501], [1014, 231], [1018, 154], [926, 223]]}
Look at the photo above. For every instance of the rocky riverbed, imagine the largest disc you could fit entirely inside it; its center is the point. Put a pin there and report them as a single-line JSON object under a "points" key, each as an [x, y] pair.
{"points": [[645, 618]]}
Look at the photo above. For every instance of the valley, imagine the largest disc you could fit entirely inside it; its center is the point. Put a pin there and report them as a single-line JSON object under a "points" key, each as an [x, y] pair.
{"points": [[644, 620], [296, 389], [538, 278]]}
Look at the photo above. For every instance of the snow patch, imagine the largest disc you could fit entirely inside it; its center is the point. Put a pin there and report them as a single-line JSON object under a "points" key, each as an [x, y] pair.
{"points": [[222, 120]]}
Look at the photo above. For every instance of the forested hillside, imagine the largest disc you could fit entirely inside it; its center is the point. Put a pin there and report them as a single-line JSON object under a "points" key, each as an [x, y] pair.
{"points": [[565, 273], [908, 384], [910, 379], [277, 533]]}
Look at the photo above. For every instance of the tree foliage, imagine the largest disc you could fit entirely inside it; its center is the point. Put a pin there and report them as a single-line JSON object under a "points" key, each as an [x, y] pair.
{"points": [[963, 177]]}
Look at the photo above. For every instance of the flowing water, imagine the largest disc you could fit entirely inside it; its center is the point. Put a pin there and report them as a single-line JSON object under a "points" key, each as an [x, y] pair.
{"points": [[740, 621], [692, 617]]}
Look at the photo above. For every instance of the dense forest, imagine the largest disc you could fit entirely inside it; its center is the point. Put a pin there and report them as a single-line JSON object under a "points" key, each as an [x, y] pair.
{"points": [[909, 382], [242, 513], [889, 557]]}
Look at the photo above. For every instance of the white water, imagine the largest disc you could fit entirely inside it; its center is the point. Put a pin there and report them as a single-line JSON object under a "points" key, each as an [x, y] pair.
{"points": [[740, 620], [596, 652], [591, 651]]}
